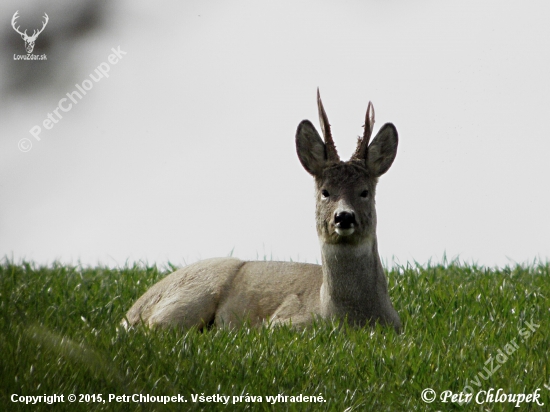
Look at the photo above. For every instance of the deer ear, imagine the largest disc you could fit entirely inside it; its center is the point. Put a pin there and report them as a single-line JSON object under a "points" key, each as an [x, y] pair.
{"points": [[382, 150], [310, 148]]}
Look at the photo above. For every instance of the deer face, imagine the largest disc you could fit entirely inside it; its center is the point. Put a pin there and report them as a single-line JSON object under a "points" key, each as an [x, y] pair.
{"points": [[345, 210], [29, 42]]}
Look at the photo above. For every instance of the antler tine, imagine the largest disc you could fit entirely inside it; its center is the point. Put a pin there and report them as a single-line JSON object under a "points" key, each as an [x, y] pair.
{"points": [[332, 154], [46, 19], [13, 21], [363, 143]]}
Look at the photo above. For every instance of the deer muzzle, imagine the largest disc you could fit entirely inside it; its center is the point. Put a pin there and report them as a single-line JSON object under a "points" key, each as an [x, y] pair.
{"points": [[344, 222]]}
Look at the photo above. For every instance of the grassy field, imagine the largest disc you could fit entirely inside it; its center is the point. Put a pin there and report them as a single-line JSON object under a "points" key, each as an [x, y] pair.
{"points": [[466, 329]]}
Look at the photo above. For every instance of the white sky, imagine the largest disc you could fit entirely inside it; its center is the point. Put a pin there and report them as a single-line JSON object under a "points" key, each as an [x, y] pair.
{"points": [[187, 150]]}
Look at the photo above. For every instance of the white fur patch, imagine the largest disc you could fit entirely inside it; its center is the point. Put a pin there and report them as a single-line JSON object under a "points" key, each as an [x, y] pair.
{"points": [[345, 232]]}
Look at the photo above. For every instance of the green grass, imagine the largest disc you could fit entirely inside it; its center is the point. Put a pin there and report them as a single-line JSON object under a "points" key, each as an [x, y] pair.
{"points": [[60, 334]]}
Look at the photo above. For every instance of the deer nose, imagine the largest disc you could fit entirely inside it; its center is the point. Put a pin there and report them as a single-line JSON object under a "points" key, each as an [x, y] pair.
{"points": [[344, 220]]}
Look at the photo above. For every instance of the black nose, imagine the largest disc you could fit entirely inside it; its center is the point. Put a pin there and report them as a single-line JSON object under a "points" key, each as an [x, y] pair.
{"points": [[344, 220]]}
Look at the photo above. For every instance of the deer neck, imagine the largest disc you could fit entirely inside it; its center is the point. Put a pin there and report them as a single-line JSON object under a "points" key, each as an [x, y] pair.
{"points": [[354, 284]]}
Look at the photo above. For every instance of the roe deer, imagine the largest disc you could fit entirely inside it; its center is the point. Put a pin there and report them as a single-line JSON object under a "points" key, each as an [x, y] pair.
{"points": [[350, 284]]}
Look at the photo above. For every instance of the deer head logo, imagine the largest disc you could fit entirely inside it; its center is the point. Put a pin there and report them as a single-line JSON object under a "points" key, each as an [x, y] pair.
{"points": [[29, 40]]}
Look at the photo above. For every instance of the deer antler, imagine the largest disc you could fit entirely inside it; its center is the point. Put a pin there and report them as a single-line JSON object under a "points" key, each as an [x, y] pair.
{"points": [[15, 17], [363, 143], [332, 154], [36, 33]]}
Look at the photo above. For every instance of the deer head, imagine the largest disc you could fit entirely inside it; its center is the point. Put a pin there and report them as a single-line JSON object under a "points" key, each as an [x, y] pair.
{"points": [[345, 208], [29, 40]]}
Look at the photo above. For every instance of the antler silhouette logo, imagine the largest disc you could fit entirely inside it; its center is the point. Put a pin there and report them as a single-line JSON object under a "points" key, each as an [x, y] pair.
{"points": [[29, 40]]}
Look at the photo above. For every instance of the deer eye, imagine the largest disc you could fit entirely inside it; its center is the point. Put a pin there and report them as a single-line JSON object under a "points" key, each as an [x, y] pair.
{"points": [[325, 193], [364, 193]]}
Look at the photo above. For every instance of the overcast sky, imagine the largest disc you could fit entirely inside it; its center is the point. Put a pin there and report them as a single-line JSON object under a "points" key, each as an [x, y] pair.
{"points": [[186, 151]]}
